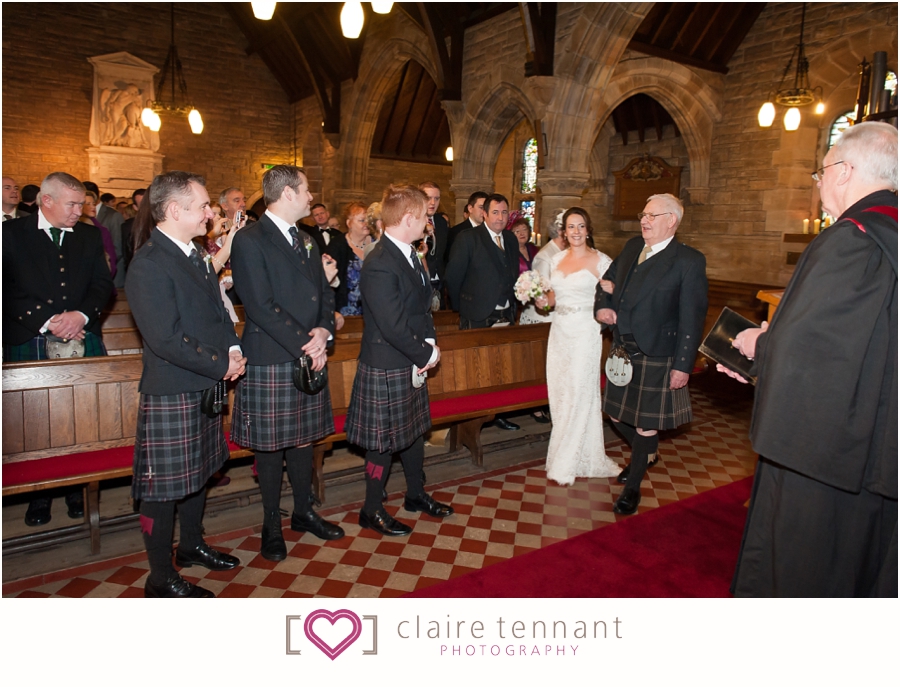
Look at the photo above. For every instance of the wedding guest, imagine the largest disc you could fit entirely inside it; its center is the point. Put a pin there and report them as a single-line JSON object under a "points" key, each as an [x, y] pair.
{"points": [[527, 251], [357, 238], [89, 216], [376, 226]]}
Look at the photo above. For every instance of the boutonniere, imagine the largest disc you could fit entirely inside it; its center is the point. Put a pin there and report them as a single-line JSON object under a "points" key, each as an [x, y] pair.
{"points": [[307, 244], [208, 260]]}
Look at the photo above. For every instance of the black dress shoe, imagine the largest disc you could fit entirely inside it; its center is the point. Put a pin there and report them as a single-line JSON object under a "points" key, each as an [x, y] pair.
{"points": [[206, 556], [540, 417], [38, 512], [506, 424], [311, 522], [176, 588], [628, 502], [428, 505], [75, 504], [272, 547], [623, 476], [383, 523]]}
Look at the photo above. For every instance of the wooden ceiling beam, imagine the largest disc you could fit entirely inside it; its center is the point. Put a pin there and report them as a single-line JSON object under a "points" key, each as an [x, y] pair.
{"points": [[656, 51], [712, 20], [684, 25], [448, 63], [723, 35], [662, 22], [539, 22]]}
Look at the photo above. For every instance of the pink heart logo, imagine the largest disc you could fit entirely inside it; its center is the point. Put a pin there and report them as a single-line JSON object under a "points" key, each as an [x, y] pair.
{"points": [[332, 652]]}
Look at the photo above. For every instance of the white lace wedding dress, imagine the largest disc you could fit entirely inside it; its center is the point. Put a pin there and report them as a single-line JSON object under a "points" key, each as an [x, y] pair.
{"points": [[573, 378]]}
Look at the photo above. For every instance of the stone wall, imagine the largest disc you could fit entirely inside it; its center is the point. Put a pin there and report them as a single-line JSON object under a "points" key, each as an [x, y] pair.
{"points": [[47, 89]]}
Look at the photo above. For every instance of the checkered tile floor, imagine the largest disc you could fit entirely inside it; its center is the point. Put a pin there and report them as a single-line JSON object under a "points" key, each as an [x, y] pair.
{"points": [[499, 515]]}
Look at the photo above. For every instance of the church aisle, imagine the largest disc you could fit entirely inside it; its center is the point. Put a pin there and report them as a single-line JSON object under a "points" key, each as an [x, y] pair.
{"points": [[499, 514]]}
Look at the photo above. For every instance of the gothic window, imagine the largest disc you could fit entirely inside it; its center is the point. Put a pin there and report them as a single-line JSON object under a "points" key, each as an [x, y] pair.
{"points": [[529, 166], [840, 124]]}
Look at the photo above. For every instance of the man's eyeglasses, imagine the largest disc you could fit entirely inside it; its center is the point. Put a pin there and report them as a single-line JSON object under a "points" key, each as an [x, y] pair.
{"points": [[641, 215], [817, 175]]}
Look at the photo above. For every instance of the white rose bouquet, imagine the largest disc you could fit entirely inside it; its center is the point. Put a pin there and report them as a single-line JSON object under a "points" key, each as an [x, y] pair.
{"points": [[530, 285]]}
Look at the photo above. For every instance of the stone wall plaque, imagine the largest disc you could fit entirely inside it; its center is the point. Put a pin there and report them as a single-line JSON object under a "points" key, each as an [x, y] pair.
{"points": [[640, 179]]}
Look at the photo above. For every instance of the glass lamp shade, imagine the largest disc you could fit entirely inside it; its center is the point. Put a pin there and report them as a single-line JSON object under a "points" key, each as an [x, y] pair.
{"points": [[766, 115], [196, 122], [792, 119], [263, 10], [449, 154], [352, 19], [150, 119], [382, 7], [820, 108]]}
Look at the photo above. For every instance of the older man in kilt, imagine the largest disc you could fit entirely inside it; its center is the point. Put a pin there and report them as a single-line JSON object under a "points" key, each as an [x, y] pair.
{"points": [[283, 283], [189, 347], [656, 306], [389, 411]]}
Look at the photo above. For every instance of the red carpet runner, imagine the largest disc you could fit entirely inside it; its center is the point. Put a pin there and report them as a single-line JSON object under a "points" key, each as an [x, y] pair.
{"points": [[685, 549]]}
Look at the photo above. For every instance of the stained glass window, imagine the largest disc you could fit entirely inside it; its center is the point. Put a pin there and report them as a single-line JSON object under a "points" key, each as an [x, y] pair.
{"points": [[526, 207], [840, 124], [529, 167]]}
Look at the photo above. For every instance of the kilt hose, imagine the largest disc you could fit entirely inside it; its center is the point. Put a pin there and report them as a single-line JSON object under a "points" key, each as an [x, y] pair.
{"points": [[36, 349], [271, 414], [387, 413], [646, 401], [176, 447]]}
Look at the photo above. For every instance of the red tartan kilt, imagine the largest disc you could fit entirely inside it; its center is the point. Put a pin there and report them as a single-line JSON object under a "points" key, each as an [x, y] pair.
{"points": [[176, 448], [386, 413], [271, 414]]}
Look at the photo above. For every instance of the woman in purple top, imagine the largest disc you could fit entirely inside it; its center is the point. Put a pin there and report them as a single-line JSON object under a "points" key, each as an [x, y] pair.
{"points": [[89, 216], [527, 250]]}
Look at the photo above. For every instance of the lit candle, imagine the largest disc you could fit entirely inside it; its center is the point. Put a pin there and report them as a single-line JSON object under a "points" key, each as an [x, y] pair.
{"points": [[817, 225], [806, 226], [538, 242]]}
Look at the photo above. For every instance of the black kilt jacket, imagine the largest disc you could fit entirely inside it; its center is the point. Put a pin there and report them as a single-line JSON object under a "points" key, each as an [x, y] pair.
{"points": [[41, 280], [665, 313], [187, 335]]}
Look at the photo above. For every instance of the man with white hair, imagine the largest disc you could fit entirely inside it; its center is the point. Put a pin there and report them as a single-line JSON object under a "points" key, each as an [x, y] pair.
{"points": [[656, 308], [55, 284], [823, 515]]}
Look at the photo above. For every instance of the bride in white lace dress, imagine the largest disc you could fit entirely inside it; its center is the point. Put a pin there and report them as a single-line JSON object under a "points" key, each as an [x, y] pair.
{"points": [[573, 359]]}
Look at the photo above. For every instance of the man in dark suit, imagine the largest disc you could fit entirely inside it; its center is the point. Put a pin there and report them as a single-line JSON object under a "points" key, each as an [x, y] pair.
{"points": [[331, 242], [127, 238], [55, 285], [482, 272], [475, 216], [190, 347], [656, 308], [279, 275], [389, 411], [11, 200], [436, 237]]}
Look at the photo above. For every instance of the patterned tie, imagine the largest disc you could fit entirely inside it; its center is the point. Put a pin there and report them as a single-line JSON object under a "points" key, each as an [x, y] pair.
{"points": [[56, 233], [417, 265], [295, 239], [644, 254], [195, 258]]}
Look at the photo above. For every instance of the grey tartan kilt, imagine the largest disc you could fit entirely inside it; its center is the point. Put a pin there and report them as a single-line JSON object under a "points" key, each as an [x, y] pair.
{"points": [[647, 401], [386, 413], [271, 414], [176, 447]]}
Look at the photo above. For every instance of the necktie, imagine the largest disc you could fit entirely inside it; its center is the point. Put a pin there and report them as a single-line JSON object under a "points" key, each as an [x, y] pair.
{"points": [[417, 265], [56, 233], [6, 217], [498, 242], [195, 258], [295, 239], [644, 254]]}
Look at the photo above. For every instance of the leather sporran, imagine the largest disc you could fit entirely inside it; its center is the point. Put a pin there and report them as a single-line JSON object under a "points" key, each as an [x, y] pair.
{"points": [[306, 379], [214, 400], [61, 348], [618, 367]]}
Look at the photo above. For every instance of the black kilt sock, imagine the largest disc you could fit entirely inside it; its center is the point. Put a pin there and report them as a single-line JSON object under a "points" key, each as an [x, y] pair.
{"points": [[413, 458], [299, 463], [157, 525], [626, 431], [270, 472], [641, 451], [378, 467], [190, 520]]}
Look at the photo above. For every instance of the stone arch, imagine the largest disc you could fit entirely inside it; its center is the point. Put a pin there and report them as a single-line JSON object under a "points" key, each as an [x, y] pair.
{"points": [[691, 102], [381, 61]]}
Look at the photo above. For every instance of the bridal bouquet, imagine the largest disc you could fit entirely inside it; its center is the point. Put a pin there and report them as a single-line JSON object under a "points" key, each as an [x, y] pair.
{"points": [[530, 285]]}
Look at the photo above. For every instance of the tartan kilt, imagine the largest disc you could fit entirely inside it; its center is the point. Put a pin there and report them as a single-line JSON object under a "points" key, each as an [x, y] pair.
{"points": [[647, 401], [271, 414], [176, 447], [36, 349], [386, 413]]}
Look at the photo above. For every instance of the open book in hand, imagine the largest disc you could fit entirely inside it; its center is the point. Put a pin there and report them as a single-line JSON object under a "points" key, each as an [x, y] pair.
{"points": [[718, 346]]}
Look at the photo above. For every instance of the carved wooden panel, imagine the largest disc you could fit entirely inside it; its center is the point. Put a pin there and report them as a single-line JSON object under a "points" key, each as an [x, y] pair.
{"points": [[641, 178]]}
